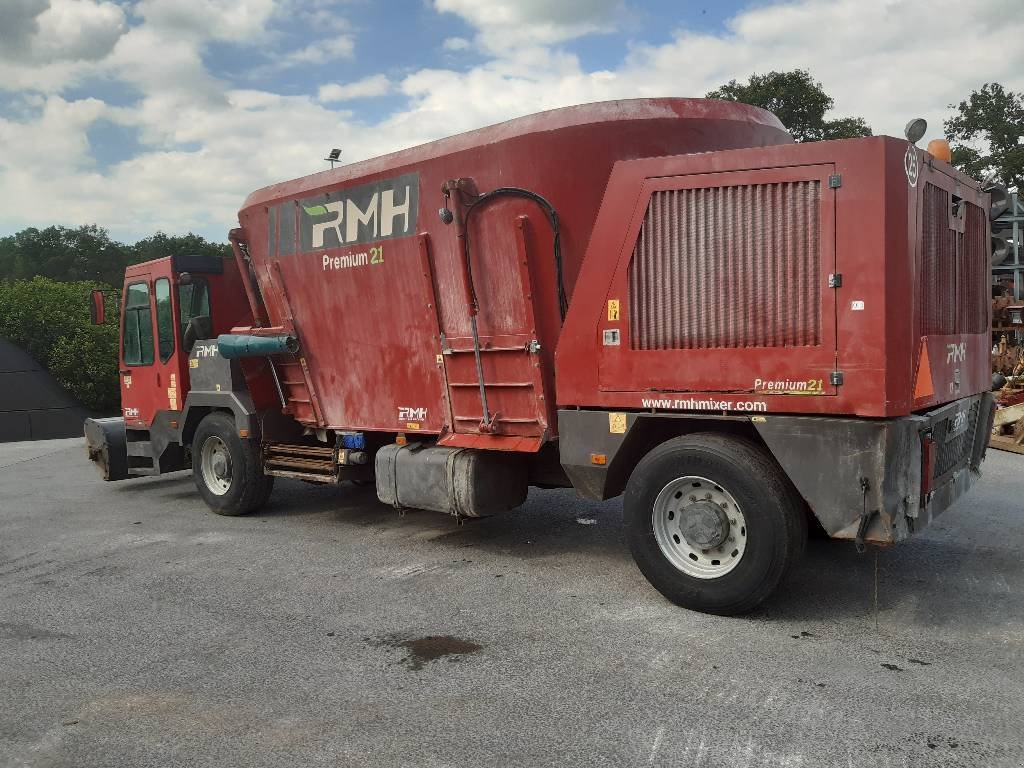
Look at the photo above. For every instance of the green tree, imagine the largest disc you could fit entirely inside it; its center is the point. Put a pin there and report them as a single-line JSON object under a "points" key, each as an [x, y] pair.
{"points": [[50, 320], [160, 245], [798, 101], [64, 254], [87, 253], [986, 134]]}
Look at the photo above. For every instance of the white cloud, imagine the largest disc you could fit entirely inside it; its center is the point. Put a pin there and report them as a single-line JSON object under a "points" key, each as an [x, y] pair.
{"points": [[48, 45], [207, 19], [208, 144], [79, 30], [320, 52], [506, 24], [456, 44], [374, 85]]}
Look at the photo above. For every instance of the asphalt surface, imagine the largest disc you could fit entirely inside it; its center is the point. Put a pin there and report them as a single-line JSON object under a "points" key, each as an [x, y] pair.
{"points": [[137, 628]]}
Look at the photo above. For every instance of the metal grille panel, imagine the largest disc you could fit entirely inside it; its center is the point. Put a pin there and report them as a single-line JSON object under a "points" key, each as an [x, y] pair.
{"points": [[954, 452], [954, 268], [976, 295], [728, 267]]}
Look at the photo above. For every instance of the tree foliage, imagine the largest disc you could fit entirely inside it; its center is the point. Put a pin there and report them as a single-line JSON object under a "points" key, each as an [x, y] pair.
{"points": [[50, 320], [87, 253], [987, 132], [798, 101]]}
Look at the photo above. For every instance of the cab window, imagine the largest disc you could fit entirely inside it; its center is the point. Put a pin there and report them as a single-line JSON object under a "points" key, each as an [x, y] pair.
{"points": [[193, 301], [164, 319], [137, 335]]}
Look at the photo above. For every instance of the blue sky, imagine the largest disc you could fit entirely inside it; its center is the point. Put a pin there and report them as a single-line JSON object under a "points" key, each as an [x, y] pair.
{"points": [[140, 115]]}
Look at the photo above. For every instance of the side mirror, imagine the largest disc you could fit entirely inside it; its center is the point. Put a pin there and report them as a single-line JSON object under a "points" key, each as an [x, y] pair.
{"points": [[97, 311]]}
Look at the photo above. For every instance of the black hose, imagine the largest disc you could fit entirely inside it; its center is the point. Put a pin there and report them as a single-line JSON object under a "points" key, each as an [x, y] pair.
{"points": [[552, 217]]}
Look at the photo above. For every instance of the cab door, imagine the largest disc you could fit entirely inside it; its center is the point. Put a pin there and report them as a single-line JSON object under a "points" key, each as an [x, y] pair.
{"points": [[151, 368]]}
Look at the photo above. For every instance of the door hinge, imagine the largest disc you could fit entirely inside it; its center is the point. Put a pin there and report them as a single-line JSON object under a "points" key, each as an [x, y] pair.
{"points": [[835, 378], [835, 181], [835, 280]]}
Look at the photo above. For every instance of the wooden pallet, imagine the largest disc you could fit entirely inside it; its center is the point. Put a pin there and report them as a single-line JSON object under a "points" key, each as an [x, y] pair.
{"points": [[1008, 429]]}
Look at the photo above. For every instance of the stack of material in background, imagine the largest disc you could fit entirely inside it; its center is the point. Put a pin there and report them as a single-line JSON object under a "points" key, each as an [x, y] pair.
{"points": [[33, 406]]}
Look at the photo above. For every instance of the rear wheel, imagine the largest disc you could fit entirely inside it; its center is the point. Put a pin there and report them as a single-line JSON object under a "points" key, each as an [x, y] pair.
{"points": [[713, 523], [227, 469]]}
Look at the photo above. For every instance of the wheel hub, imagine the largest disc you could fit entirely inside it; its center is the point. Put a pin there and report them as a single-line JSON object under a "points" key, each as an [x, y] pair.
{"points": [[215, 465], [220, 465], [704, 524], [699, 527]]}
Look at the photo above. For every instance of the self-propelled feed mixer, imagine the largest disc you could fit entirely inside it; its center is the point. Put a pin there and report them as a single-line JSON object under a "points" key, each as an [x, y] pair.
{"points": [[665, 299]]}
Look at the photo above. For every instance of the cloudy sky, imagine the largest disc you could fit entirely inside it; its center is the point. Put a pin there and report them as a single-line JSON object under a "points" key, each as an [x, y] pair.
{"points": [[140, 115]]}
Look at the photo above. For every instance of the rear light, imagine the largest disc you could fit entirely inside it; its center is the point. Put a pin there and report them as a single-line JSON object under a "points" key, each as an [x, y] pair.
{"points": [[927, 464]]}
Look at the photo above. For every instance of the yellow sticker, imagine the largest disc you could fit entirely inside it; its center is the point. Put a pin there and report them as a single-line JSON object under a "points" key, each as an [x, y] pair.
{"points": [[193, 362], [613, 309], [617, 423], [412, 425]]}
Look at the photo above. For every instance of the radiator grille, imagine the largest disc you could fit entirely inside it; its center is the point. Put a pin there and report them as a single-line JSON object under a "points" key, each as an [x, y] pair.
{"points": [[952, 452], [725, 267], [954, 268]]}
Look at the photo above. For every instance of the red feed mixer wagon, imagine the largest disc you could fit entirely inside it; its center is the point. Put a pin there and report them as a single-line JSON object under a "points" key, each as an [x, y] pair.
{"points": [[662, 298]]}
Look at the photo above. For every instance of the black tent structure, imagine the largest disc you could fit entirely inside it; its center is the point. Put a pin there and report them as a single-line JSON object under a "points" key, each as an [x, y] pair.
{"points": [[33, 406]]}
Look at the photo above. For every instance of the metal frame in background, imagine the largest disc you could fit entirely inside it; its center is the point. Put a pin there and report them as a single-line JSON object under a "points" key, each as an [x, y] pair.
{"points": [[1014, 264]]}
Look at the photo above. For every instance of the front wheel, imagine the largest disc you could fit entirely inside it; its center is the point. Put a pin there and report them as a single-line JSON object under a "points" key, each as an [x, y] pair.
{"points": [[226, 469], [713, 523]]}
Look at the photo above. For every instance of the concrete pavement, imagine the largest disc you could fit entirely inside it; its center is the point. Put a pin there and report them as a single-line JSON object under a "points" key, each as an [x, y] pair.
{"points": [[137, 628]]}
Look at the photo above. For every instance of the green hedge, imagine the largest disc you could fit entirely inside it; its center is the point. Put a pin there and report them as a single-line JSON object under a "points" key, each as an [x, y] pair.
{"points": [[51, 321]]}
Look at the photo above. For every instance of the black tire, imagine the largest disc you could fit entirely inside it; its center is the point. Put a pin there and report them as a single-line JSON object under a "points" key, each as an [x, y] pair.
{"points": [[247, 488], [775, 530]]}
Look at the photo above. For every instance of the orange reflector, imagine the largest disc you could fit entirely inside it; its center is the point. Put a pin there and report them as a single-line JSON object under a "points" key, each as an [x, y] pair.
{"points": [[400, 440], [923, 387], [939, 149], [598, 458], [174, 425], [243, 433]]}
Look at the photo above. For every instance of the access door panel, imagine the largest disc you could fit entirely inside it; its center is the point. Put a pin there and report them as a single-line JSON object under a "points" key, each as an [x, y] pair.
{"points": [[723, 286]]}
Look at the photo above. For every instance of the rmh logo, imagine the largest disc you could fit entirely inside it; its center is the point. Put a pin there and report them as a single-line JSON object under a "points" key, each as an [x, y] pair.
{"points": [[362, 214], [956, 353]]}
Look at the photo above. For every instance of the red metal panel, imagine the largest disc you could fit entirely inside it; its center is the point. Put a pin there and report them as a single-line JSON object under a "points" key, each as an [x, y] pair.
{"points": [[760, 241], [368, 332]]}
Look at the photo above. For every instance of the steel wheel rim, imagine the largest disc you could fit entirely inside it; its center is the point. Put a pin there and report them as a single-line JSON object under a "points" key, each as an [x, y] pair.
{"points": [[215, 465], [667, 522]]}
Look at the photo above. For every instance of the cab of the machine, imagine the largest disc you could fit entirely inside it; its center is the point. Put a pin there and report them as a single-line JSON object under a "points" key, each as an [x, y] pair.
{"points": [[168, 304]]}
